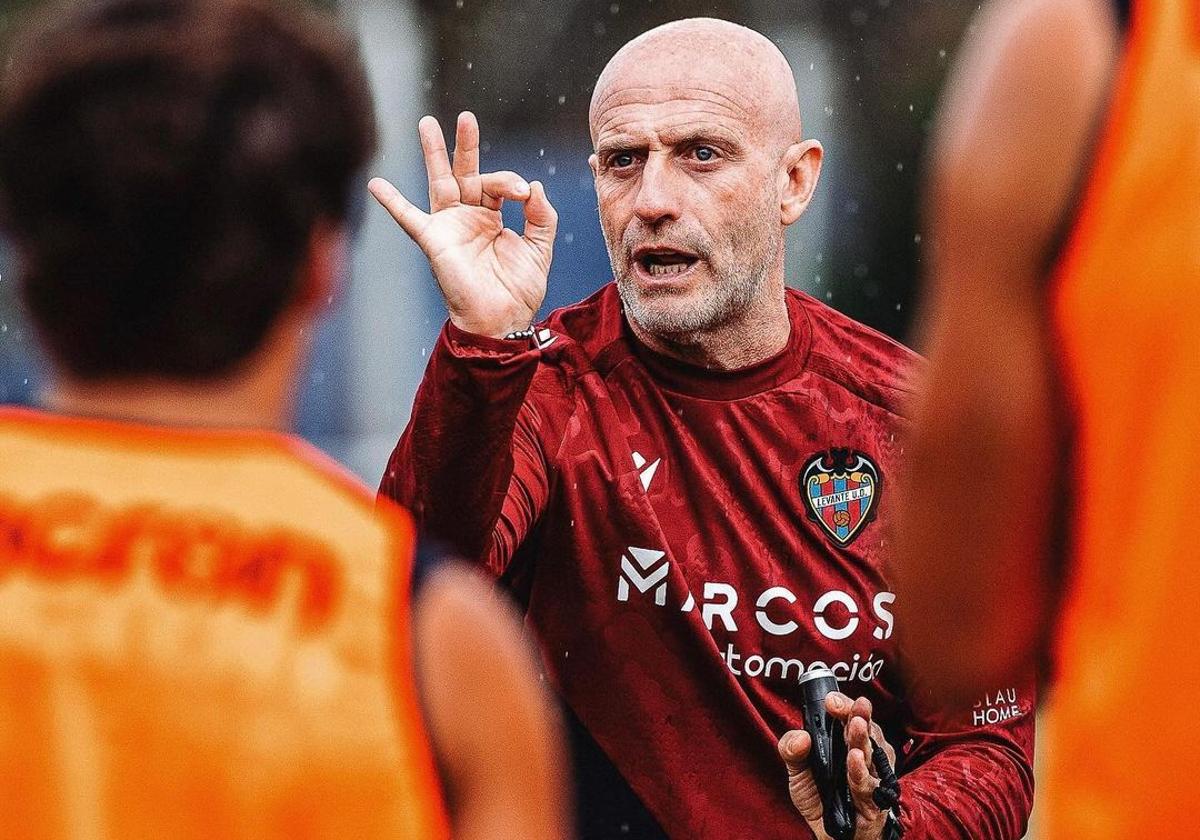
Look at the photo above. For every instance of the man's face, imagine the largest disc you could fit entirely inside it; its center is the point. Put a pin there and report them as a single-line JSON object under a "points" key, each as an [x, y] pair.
{"points": [[689, 203]]}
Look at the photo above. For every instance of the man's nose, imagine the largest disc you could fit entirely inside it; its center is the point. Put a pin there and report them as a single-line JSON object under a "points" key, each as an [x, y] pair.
{"points": [[658, 196]]}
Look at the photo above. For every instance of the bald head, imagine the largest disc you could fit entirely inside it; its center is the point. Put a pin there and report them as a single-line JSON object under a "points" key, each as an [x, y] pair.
{"points": [[699, 167], [730, 62]]}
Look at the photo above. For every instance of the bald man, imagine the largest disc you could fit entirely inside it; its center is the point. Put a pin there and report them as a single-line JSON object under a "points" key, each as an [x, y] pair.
{"points": [[685, 478]]}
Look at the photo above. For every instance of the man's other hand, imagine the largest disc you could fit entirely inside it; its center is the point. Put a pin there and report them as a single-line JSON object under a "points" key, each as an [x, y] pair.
{"points": [[861, 773], [493, 280]]}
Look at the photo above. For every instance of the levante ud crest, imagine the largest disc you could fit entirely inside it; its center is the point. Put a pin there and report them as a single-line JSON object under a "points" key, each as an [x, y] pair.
{"points": [[841, 489]]}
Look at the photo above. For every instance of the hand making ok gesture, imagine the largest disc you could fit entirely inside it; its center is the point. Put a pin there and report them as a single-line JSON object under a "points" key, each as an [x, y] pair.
{"points": [[492, 279]]}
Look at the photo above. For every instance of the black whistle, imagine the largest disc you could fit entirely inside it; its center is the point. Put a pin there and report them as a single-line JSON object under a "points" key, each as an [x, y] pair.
{"points": [[828, 756]]}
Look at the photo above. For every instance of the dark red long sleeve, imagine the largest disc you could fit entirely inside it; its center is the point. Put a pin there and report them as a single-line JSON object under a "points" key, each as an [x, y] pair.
{"points": [[689, 542], [471, 464]]}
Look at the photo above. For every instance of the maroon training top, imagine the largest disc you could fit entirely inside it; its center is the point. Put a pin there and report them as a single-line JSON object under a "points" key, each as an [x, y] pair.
{"points": [[688, 542]]}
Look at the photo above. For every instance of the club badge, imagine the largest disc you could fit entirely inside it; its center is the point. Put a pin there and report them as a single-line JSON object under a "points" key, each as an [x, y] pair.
{"points": [[841, 489]]}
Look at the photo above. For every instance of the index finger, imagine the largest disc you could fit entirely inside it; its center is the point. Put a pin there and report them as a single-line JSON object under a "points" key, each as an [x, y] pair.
{"points": [[843, 708]]}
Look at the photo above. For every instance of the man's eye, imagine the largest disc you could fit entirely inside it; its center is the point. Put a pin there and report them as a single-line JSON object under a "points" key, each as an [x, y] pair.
{"points": [[621, 160], [705, 153]]}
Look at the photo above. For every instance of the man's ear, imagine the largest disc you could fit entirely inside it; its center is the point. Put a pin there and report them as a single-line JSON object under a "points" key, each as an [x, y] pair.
{"points": [[594, 163], [321, 272], [798, 174]]}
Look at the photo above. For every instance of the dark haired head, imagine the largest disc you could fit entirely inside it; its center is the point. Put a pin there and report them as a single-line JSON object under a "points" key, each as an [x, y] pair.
{"points": [[163, 165]]}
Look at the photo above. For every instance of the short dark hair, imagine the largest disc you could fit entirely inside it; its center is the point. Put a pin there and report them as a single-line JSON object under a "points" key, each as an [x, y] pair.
{"points": [[163, 164]]}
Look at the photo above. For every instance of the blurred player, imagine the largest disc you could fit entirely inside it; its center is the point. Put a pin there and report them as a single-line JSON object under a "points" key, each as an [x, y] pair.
{"points": [[685, 477], [1065, 345], [207, 632]]}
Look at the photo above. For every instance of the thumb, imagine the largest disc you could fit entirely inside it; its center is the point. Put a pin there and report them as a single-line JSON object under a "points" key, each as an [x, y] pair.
{"points": [[794, 748], [541, 221]]}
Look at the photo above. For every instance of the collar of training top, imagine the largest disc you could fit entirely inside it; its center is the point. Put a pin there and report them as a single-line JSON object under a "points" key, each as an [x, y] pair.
{"points": [[710, 384]]}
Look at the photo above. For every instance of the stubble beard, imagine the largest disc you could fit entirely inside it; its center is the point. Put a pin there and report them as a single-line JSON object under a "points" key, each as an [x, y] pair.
{"points": [[733, 287]]}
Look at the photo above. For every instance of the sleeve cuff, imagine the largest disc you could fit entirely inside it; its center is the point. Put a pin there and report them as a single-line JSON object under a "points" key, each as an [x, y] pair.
{"points": [[460, 338]]}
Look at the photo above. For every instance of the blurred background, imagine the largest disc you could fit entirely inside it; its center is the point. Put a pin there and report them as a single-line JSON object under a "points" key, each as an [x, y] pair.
{"points": [[868, 73]]}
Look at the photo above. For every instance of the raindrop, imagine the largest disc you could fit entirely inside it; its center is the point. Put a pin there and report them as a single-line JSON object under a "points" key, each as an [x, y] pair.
{"points": [[812, 65], [562, 99], [910, 107], [828, 110], [614, 8], [829, 295], [568, 238], [541, 152], [917, 239], [897, 307], [470, 64], [458, 4], [817, 278], [899, 166], [941, 53], [4, 328], [552, 169]]}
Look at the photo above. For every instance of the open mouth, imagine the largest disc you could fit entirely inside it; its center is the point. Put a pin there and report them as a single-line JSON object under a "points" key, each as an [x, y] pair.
{"points": [[664, 262]]}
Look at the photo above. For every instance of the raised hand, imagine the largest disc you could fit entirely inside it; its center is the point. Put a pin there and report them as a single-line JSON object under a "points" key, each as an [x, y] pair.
{"points": [[493, 280]]}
